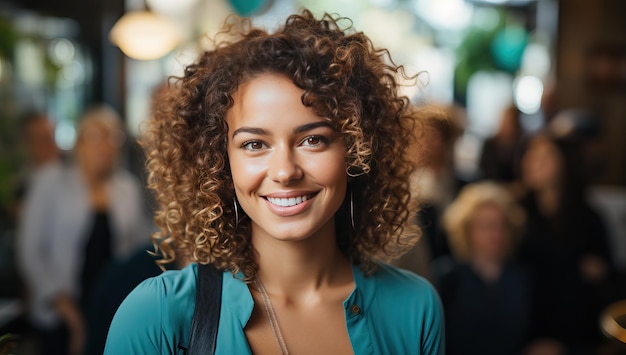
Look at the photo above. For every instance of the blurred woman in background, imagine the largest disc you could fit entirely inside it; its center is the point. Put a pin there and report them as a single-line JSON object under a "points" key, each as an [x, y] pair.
{"points": [[565, 247], [500, 154], [77, 218], [485, 294]]}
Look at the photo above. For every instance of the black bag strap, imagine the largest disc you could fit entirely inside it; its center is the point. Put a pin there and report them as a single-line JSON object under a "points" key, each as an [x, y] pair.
{"points": [[206, 315]]}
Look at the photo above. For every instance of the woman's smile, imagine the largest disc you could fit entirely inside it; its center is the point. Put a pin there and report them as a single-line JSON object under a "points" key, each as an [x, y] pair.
{"points": [[289, 199], [288, 202], [291, 204]]}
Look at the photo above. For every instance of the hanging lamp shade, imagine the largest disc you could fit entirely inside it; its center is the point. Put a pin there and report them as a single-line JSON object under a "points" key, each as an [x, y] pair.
{"points": [[171, 7], [144, 35]]}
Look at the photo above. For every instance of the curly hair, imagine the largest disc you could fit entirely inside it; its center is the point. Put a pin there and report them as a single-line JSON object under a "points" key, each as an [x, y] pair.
{"points": [[344, 78]]}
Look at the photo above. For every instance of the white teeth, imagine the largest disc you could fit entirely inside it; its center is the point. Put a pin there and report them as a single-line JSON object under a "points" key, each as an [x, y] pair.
{"points": [[288, 202]]}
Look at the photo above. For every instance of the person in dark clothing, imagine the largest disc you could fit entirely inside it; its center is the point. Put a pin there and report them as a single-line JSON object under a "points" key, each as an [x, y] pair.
{"points": [[500, 155], [565, 247], [434, 185], [485, 294], [121, 277]]}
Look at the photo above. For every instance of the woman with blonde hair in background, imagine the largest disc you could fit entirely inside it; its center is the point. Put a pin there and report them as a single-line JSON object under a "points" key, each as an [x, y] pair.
{"points": [[485, 294]]}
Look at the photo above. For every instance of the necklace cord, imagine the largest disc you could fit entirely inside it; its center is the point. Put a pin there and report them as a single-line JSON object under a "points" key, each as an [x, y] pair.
{"points": [[273, 319]]}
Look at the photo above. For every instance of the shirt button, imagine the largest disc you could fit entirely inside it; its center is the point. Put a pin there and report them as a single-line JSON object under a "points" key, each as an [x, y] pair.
{"points": [[355, 309]]}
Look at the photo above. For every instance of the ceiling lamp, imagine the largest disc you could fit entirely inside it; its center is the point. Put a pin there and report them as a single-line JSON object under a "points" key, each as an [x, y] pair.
{"points": [[169, 7], [144, 35]]}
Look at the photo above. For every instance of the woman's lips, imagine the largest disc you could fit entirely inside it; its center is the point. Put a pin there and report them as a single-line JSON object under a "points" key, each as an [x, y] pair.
{"points": [[289, 206], [288, 202]]}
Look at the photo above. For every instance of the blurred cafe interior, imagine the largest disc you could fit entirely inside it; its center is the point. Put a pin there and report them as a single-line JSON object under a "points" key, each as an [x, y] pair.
{"points": [[559, 65]]}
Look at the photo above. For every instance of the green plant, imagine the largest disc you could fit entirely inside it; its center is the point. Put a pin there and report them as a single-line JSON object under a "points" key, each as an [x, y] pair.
{"points": [[8, 38], [9, 155]]}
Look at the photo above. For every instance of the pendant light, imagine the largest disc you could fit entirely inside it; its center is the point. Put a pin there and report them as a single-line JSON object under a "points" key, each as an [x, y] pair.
{"points": [[144, 35]]}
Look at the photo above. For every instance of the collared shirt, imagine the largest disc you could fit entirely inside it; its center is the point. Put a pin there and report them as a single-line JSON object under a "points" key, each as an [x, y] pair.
{"points": [[392, 311]]}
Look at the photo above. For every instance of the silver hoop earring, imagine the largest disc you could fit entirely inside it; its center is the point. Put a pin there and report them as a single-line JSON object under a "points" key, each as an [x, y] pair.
{"points": [[236, 212], [352, 210]]}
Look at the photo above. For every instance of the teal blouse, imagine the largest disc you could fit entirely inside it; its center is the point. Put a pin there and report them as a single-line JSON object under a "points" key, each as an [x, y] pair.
{"points": [[390, 312]]}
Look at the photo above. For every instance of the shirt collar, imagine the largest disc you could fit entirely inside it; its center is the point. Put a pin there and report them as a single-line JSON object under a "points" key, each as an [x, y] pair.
{"points": [[241, 303]]}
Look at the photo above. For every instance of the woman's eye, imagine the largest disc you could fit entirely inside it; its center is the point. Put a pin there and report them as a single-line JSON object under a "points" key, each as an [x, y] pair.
{"points": [[253, 145], [314, 141]]}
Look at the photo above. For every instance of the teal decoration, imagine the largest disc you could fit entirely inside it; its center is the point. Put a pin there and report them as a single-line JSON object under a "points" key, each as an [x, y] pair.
{"points": [[508, 47], [247, 8]]}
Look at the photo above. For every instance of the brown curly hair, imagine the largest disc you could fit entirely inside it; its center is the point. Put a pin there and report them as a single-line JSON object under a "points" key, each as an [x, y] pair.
{"points": [[344, 78]]}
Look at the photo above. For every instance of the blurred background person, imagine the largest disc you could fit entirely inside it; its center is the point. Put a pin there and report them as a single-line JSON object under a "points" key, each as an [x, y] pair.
{"points": [[76, 219], [500, 154], [486, 295], [433, 185], [112, 287], [565, 246], [40, 150], [37, 149], [38, 139], [123, 274]]}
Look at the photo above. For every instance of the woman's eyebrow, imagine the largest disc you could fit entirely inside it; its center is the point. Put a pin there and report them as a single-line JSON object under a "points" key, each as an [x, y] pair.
{"points": [[260, 131], [252, 130], [311, 126]]}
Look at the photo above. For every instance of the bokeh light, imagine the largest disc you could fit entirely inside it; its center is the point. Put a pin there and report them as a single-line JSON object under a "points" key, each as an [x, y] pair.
{"points": [[528, 91]]}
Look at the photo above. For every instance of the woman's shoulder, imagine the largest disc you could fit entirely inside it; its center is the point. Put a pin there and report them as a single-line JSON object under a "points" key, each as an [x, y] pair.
{"points": [[179, 281], [125, 178], [157, 314], [52, 173], [410, 305], [176, 289], [170, 289], [54, 180], [396, 282]]}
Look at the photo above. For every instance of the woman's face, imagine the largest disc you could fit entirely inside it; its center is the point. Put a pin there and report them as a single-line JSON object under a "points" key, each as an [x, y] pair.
{"points": [[541, 165], [98, 148], [287, 163], [489, 233]]}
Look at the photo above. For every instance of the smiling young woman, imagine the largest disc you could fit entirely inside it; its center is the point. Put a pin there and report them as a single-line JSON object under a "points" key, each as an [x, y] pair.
{"points": [[281, 160]]}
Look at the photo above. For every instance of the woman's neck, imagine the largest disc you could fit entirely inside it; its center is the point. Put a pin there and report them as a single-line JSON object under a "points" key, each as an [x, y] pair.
{"points": [[489, 269], [548, 201], [297, 270], [92, 178], [97, 187]]}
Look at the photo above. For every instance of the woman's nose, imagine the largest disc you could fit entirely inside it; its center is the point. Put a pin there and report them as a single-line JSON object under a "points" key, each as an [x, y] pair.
{"points": [[283, 166]]}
